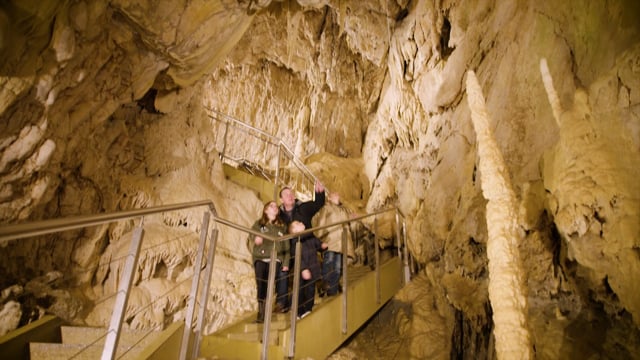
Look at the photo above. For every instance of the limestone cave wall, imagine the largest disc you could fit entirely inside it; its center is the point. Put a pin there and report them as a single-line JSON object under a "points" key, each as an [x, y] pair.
{"points": [[103, 106]]}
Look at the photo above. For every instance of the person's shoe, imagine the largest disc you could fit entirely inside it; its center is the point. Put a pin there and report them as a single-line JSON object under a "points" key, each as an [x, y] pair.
{"points": [[322, 289], [300, 317], [280, 309], [333, 291]]}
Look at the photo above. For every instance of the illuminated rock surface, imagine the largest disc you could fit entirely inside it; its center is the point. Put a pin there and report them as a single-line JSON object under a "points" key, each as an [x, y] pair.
{"points": [[102, 107]]}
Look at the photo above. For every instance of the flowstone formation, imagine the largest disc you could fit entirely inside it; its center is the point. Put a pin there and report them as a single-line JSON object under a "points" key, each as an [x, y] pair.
{"points": [[593, 165]]}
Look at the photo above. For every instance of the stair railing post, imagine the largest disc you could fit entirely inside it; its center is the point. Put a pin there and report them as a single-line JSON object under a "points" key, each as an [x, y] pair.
{"points": [[124, 289], [294, 297], [268, 308], [376, 243], [345, 262], [407, 267], [224, 139], [186, 335], [205, 293]]}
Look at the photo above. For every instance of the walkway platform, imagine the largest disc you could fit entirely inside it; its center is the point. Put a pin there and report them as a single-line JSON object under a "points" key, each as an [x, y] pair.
{"points": [[318, 334]]}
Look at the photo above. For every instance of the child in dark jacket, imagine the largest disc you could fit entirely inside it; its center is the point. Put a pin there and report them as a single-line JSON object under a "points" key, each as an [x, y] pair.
{"points": [[310, 268]]}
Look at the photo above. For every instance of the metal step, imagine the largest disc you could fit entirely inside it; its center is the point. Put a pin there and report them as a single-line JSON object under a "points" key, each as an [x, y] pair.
{"points": [[275, 326], [85, 335], [274, 337], [280, 322], [52, 351], [252, 331], [321, 333], [81, 342]]}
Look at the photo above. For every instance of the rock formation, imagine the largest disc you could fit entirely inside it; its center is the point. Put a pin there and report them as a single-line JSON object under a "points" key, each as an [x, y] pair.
{"points": [[506, 276], [103, 107]]}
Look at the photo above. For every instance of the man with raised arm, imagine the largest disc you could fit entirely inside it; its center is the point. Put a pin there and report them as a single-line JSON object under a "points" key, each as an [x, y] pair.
{"points": [[292, 209]]}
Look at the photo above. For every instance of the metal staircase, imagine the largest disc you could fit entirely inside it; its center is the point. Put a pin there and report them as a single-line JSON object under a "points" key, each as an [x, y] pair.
{"points": [[46, 338], [317, 335], [338, 317], [81, 342], [365, 288], [262, 155]]}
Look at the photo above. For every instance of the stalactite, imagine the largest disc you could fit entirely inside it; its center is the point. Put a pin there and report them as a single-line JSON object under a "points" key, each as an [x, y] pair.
{"points": [[506, 279]]}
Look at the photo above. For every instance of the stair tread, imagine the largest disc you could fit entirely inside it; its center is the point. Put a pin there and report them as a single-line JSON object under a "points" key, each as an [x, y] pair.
{"points": [[274, 326], [56, 351], [97, 335], [274, 336]]}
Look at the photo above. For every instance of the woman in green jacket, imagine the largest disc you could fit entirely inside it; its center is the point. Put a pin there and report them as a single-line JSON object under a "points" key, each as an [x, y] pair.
{"points": [[271, 224]]}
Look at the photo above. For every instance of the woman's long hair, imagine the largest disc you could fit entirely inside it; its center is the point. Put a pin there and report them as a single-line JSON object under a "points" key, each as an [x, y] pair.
{"points": [[264, 220]]}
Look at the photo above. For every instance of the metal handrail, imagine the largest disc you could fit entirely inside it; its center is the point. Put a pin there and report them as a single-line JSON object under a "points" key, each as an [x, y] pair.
{"points": [[283, 148], [298, 162], [270, 139], [306, 231], [234, 121], [24, 230], [18, 231], [298, 235]]}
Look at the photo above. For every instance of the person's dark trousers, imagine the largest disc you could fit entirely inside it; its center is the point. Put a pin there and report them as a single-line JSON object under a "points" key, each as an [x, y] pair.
{"points": [[306, 296], [331, 271], [262, 277], [282, 289]]}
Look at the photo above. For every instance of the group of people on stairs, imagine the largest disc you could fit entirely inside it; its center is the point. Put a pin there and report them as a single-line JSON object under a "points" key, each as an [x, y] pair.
{"points": [[294, 216]]}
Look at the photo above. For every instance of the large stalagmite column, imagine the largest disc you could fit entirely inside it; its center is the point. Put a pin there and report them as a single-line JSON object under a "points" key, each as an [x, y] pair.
{"points": [[506, 279]]}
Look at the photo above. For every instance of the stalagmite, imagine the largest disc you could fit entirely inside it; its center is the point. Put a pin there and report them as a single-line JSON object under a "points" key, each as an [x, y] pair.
{"points": [[506, 279], [551, 91]]}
